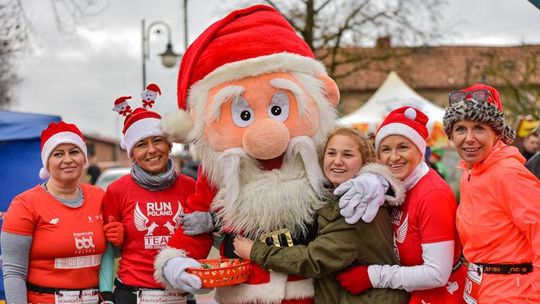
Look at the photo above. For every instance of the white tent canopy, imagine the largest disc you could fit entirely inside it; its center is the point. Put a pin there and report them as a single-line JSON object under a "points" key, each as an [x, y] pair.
{"points": [[392, 94]]}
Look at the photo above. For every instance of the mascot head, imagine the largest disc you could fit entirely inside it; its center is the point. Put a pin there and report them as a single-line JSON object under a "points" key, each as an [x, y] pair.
{"points": [[260, 106]]}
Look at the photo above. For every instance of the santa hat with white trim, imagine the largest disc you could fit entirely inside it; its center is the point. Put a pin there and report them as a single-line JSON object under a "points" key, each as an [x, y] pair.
{"points": [[405, 121], [246, 43], [59, 133], [139, 125]]}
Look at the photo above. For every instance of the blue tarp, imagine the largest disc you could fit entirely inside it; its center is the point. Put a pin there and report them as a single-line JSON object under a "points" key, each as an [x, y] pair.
{"points": [[20, 158]]}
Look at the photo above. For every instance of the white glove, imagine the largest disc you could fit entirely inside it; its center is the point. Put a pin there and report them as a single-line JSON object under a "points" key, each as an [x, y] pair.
{"points": [[361, 197], [197, 223], [175, 273]]}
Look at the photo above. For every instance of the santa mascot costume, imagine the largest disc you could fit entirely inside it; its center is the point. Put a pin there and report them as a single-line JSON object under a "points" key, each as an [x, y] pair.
{"points": [[258, 108]]}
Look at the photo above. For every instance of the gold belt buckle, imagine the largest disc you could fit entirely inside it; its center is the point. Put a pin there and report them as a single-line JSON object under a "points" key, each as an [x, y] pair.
{"points": [[274, 235]]}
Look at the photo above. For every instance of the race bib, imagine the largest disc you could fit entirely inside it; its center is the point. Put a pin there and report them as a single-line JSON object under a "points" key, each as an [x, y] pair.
{"points": [[160, 297], [472, 283], [87, 296]]}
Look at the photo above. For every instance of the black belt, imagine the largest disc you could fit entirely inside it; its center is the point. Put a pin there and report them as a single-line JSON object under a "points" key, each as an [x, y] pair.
{"points": [[522, 268], [130, 288], [50, 290], [457, 265]]}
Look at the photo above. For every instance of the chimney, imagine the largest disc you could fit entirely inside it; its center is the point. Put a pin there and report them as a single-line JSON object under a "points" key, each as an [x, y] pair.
{"points": [[384, 42]]}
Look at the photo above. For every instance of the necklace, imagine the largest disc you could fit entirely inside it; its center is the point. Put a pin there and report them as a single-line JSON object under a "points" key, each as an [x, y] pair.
{"points": [[70, 196]]}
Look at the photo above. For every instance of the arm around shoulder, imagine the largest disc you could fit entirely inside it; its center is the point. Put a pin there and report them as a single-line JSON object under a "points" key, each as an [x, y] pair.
{"points": [[395, 195]]}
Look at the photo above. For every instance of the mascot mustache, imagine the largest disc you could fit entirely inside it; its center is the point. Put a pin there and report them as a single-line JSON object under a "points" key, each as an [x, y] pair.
{"points": [[253, 201]]}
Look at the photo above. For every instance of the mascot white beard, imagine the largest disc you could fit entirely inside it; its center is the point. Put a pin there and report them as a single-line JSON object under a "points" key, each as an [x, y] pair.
{"points": [[252, 201]]}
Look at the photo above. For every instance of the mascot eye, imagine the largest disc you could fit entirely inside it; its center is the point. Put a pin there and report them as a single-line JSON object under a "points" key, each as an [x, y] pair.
{"points": [[242, 114], [279, 106]]}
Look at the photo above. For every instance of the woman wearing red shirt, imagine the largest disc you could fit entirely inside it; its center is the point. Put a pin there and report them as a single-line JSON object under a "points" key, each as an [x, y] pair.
{"points": [[150, 203], [424, 231]]}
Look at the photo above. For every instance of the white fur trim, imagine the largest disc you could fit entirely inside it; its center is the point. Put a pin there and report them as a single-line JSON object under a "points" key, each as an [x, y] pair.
{"points": [[273, 292], [299, 289], [397, 186], [140, 129], [161, 259], [176, 126], [58, 139], [403, 130], [280, 62]]}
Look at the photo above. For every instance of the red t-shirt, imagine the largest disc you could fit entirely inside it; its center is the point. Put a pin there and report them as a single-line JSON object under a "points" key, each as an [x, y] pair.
{"points": [[149, 219], [67, 243], [427, 216]]}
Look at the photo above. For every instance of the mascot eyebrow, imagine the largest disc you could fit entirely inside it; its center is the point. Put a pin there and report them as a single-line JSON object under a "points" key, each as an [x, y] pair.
{"points": [[287, 84], [222, 96], [233, 91]]}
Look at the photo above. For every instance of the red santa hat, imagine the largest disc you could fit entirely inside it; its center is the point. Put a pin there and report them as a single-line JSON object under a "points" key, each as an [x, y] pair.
{"points": [[139, 125], [405, 121], [247, 42], [121, 100], [59, 133], [154, 88]]}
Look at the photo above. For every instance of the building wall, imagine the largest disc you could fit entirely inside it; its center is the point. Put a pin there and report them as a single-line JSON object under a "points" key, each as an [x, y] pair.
{"points": [[107, 154]]}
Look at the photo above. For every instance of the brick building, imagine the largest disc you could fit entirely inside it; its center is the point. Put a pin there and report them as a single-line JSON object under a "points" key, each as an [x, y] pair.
{"points": [[433, 72]]}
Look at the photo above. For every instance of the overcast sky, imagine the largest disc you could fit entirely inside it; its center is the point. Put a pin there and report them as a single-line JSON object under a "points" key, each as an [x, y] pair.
{"points": [[78, 76]]}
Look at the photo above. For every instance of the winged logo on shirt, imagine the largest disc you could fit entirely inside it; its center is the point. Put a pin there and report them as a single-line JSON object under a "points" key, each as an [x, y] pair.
{"points": [[177, 217], [141, 222], [401, 233]]}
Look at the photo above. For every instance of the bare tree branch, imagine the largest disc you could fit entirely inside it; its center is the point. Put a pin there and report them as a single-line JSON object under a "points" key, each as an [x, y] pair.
{"points": [[522, 97], [329, 26], [16, 32]]}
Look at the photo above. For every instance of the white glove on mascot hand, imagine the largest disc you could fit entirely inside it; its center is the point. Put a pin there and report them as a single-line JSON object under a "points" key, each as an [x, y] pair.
{"points": [[361, 197], [175, 273]]}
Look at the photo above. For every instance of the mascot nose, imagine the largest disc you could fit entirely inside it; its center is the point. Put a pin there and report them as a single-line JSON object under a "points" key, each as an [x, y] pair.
{"points": [[266, 139]]}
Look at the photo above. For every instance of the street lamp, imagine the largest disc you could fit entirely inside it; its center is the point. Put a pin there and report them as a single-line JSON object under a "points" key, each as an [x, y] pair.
{"points": [[168, 57]]}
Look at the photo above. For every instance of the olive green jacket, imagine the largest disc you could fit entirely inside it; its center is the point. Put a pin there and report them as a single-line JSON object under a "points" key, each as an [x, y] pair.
{"points": [[337, 246]]}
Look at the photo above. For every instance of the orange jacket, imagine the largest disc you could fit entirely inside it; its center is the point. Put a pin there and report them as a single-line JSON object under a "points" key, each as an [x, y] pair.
{"points": [[498, 221]]}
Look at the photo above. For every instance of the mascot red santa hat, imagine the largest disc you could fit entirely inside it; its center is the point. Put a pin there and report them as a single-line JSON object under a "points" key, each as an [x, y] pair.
{"points": [[258, 107]]}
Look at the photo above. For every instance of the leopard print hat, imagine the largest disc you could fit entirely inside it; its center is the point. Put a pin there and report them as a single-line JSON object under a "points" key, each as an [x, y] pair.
{"points": [[489, 113]]}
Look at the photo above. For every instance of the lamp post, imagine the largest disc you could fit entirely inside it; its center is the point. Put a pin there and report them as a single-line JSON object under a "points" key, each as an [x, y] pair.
{"points": [[185, 25], [168, 57]]}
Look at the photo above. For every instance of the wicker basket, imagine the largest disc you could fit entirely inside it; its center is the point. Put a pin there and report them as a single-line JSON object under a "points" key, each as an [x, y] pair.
{"points": [[222, 272]]}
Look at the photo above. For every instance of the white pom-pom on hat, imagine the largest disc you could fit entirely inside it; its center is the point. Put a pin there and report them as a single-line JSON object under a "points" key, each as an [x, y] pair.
{"points": [[405, 121], [410, 113], [176, 126], [43, 173]]}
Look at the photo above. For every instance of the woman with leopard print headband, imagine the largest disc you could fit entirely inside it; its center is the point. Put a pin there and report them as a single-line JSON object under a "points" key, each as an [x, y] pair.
{"points": [[499, 213]]}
